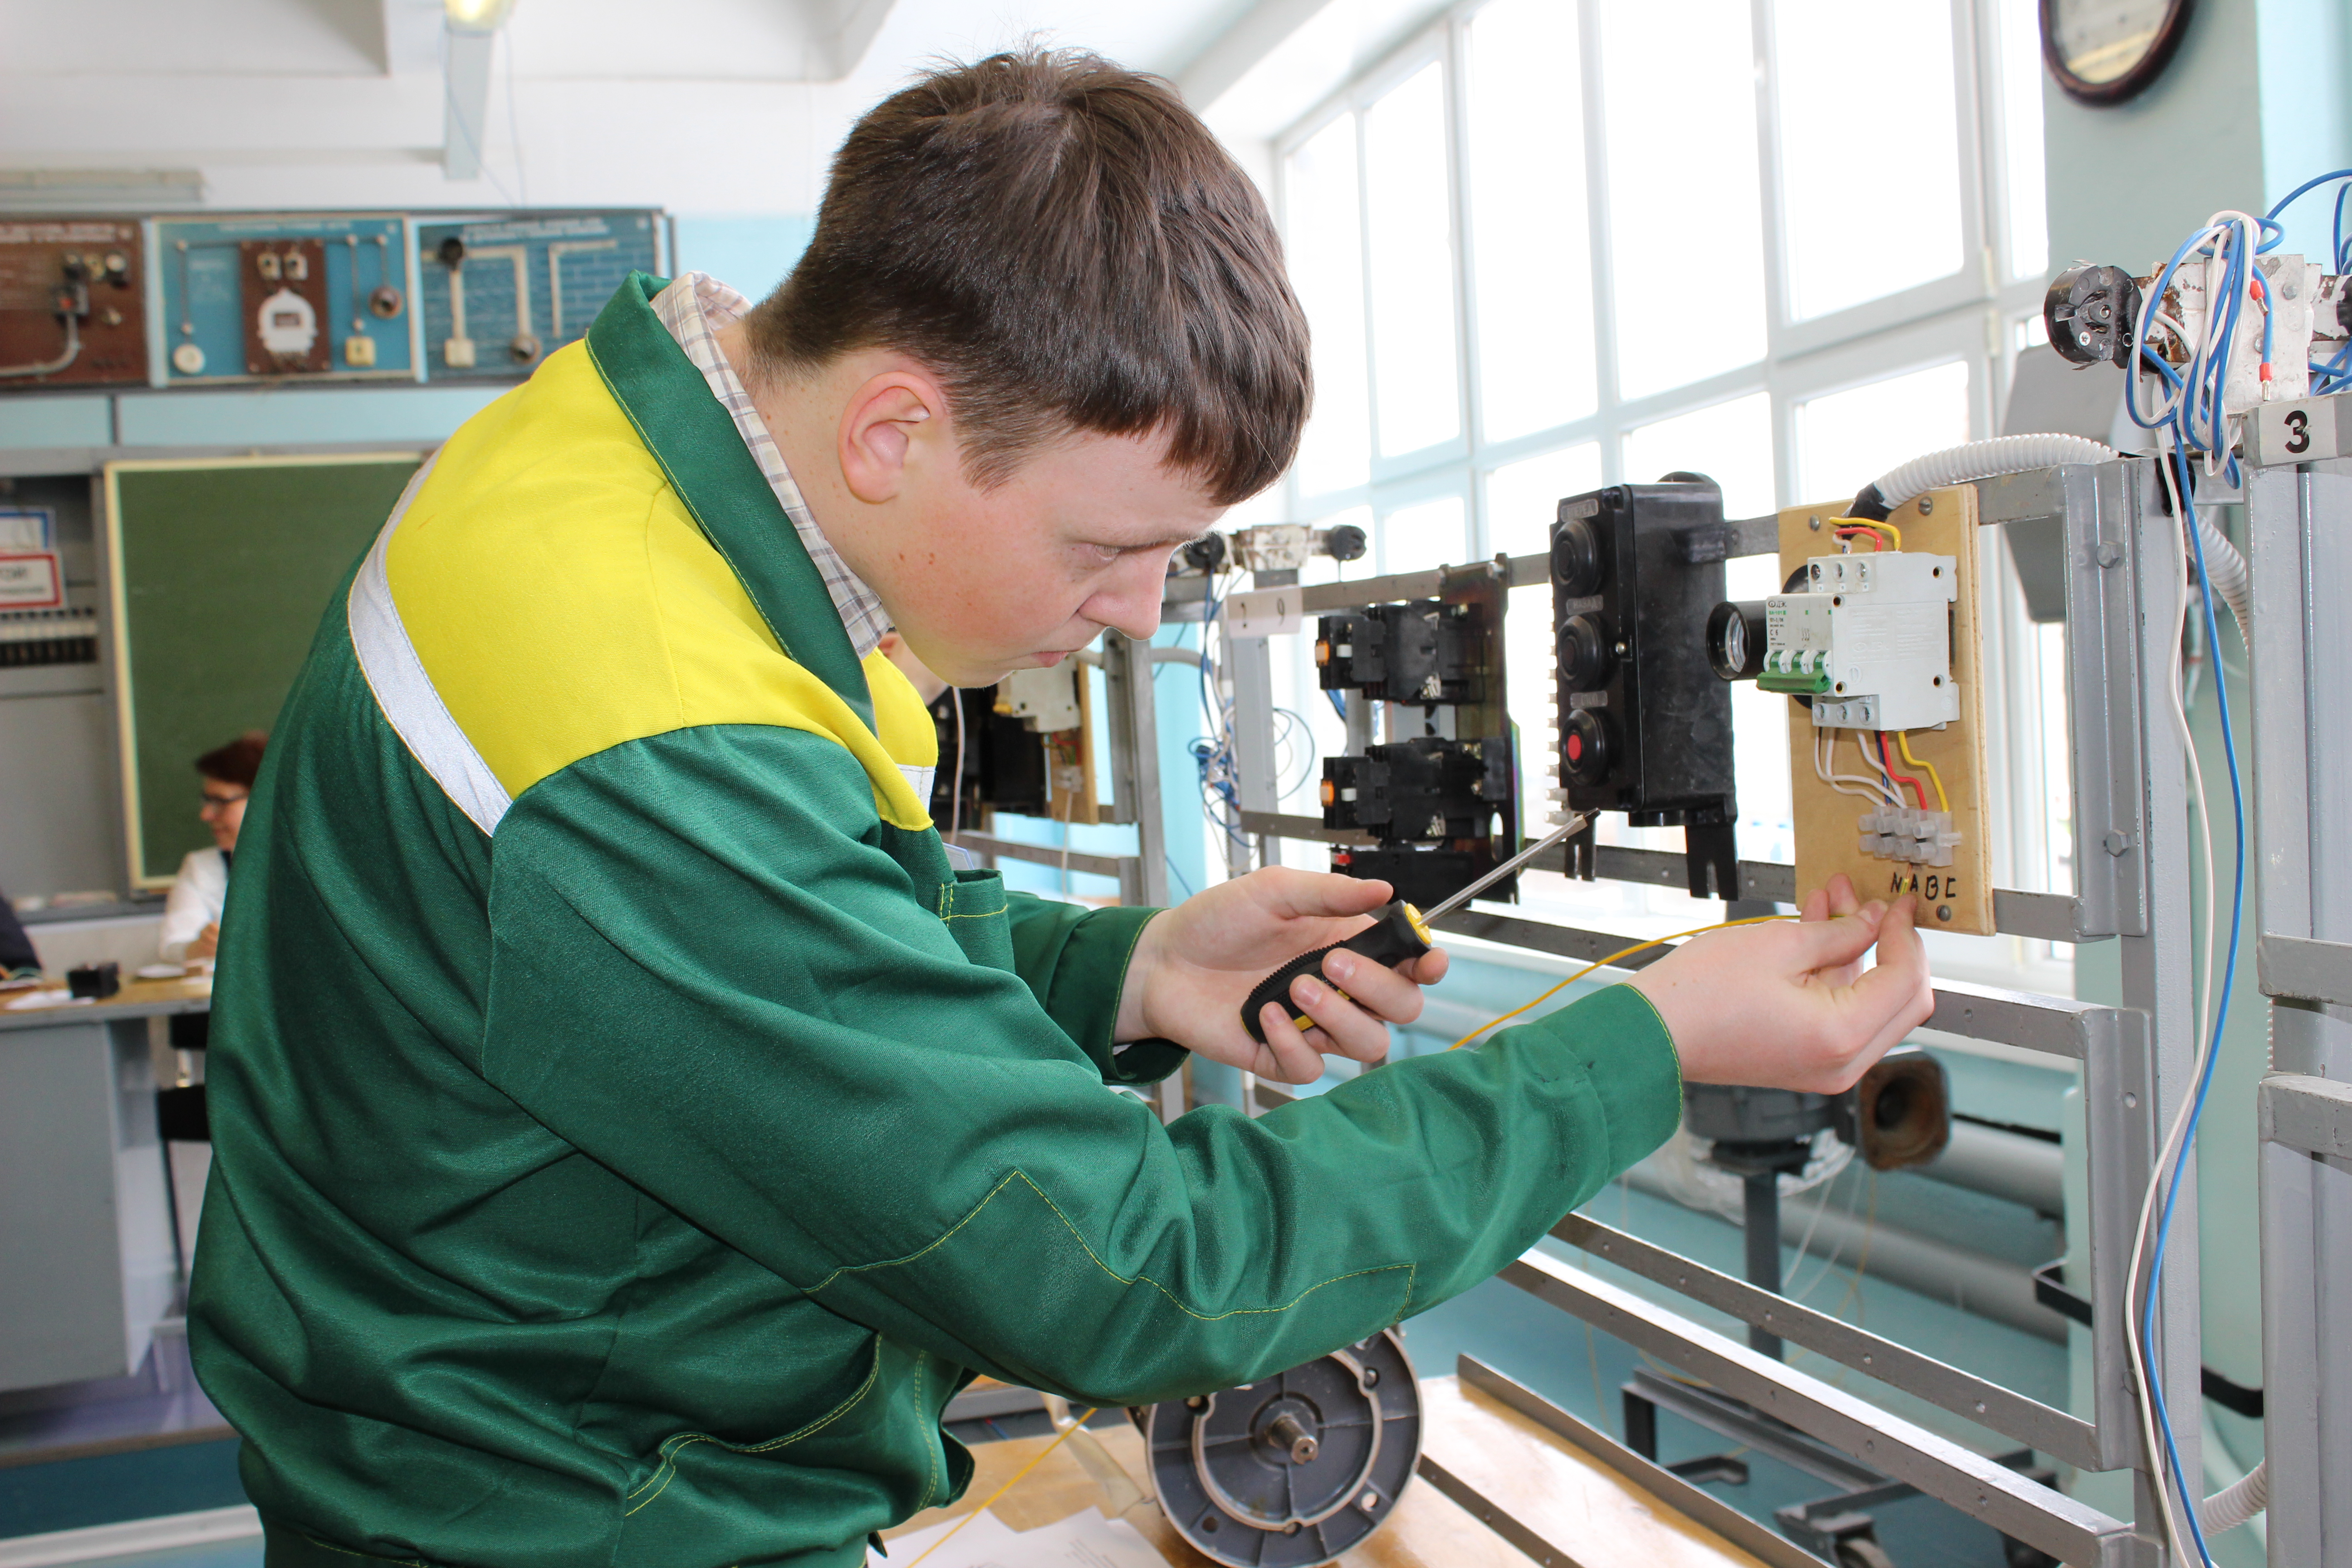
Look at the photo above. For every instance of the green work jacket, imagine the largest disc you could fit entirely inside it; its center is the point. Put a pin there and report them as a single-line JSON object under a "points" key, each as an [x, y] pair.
{"points": [[630, 1132]]}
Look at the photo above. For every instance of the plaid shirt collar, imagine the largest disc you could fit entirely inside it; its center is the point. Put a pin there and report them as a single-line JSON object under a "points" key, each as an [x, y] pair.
{"points": [[695, 308]]}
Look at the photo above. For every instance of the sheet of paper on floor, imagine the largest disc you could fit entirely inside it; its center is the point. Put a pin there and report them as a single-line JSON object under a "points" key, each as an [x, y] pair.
{"points": [[1085, 1540]]}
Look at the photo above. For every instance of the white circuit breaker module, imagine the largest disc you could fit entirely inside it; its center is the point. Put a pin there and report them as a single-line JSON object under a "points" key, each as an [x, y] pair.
{"points": [[1869, 640]]}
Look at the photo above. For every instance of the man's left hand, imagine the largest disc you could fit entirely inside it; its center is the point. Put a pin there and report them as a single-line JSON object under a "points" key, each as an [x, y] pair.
{"points": [[1196, 965]]}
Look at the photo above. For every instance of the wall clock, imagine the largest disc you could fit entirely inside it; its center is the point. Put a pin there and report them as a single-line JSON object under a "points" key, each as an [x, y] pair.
{"points": [[2105, 51]]}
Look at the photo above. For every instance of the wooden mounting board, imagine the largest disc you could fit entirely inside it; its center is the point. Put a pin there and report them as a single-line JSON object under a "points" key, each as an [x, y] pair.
{"points": [[1829, 839]]}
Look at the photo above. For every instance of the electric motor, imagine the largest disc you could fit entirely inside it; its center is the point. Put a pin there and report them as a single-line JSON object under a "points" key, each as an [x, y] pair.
{"points": [[1295, 1468]]}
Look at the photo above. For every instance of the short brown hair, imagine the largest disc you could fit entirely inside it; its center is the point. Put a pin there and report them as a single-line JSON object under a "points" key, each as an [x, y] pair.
{"points": [[238, 762], [1065, 244]]}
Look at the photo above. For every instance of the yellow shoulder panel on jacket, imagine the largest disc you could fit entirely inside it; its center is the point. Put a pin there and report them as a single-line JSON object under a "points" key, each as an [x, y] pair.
{"points": [[906, 727], [562, 602]]}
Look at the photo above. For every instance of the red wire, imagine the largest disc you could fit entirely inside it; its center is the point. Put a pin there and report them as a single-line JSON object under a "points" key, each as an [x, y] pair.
{"points": [[1887, 758], [1877, 540]]}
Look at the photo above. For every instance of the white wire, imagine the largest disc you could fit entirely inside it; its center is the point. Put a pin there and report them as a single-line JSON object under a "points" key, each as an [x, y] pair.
{"points": [[2151, 1436], [1823, 750], [1893, 789], [955, 812]]}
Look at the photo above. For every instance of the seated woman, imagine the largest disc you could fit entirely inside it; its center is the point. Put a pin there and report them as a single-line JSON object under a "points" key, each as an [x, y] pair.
{"points": [[191, 914]]}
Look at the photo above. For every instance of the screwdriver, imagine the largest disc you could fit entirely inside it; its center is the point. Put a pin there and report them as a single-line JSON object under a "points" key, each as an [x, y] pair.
{"points": [[1396, 934]]}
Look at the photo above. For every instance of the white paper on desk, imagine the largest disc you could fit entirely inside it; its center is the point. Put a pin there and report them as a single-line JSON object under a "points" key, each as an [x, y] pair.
{"points": [[1085, 1540], [49, 999]]}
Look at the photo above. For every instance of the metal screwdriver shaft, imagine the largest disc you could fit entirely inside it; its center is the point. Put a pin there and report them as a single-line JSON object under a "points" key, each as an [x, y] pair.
{"points": [[1396, 934], [1576, 823]]}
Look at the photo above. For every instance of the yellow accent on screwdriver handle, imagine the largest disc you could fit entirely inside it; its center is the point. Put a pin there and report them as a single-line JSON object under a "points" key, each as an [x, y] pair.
{"points": [[1396, 935]]}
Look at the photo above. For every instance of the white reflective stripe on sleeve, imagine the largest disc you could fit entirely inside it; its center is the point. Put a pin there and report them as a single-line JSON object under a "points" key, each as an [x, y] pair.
{"points": [[404, 692], [921, 779]]}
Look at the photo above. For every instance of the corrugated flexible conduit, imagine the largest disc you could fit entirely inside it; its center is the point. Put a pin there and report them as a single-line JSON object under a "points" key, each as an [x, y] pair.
{"points": [[2021, 454], [2233, 1505]]}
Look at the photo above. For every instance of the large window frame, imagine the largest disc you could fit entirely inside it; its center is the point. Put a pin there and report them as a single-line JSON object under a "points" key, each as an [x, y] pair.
{"points": [[1980, 314], [1971, 314]]}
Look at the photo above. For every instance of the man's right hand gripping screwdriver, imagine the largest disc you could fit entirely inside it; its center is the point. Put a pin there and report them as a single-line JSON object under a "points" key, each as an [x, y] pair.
{"points": [[1398, 934]]}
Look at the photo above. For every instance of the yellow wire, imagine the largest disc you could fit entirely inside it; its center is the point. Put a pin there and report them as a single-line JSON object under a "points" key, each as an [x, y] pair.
{"points": [[1903, 740], [1605, 963], [1007, 1487], [1837, 522]]}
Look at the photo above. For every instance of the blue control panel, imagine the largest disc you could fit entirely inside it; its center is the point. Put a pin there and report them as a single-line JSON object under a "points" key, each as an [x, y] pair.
{"points": [[500, 293], [308, 296]]}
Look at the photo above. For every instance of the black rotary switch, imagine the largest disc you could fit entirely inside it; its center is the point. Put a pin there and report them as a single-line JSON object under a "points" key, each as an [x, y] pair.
{"points": [[1584, 654], [1585, 748]]}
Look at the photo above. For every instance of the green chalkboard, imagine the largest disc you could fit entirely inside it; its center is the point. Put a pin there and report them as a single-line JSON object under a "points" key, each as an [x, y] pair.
{"points": [[222, 569]]}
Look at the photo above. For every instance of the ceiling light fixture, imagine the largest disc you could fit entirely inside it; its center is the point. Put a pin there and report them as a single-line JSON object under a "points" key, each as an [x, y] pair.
{"points": [[476, 15]]}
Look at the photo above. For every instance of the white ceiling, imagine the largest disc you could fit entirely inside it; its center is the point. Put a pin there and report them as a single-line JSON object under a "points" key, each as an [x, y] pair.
{"points": [[702, 106]]}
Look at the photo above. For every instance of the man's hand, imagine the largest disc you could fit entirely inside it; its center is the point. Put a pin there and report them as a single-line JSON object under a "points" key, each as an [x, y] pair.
{"points": [[1788, 1005], [205, 942], [1196, 965]]}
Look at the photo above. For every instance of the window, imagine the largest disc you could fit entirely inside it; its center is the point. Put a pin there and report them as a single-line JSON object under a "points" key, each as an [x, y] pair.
{"points": [[1552, 244]]}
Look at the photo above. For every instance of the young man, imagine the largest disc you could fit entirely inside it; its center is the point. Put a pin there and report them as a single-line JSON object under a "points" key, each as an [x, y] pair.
{"points": [[630, 1130]]}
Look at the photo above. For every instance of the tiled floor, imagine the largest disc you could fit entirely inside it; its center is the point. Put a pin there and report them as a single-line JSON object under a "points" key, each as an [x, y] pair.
{"points": [[230, 1555]]}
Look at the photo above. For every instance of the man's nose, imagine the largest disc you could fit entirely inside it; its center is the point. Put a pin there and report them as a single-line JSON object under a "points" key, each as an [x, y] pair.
{"points": [[1130, 602]]}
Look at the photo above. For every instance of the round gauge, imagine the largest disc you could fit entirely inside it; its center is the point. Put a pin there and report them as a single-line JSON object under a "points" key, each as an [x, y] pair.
{"points": [[2104, 51]]}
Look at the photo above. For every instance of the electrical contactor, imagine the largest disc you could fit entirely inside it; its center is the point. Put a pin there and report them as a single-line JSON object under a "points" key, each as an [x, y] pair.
{"points": [[1442, 807], [1422, 651], [1868, 640]]}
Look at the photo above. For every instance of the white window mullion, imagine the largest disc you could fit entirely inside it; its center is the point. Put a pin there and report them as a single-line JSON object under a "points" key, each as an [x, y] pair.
{"points": [[1778, 307], [1469, 355], [1601, 239]]}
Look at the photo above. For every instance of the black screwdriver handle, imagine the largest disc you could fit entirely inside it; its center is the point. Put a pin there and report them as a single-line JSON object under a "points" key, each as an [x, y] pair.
{"points": [[1396, 935]]}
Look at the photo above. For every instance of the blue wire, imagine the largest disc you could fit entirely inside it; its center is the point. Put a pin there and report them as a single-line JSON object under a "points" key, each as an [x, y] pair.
{"points": [[2221, 1010], [1338, 703], [2287, 200]]}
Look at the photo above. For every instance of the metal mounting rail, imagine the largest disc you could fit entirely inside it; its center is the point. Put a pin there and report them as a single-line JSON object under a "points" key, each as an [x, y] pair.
{"points": [[2070, 1531], [2057, 1025], [2047, 917], [2306, 970], [2053, 1432]]}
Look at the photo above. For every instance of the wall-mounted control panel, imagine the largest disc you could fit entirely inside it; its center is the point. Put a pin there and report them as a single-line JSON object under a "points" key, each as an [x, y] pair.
{"points": [[73, 302], [500, 293], [283, 296]]}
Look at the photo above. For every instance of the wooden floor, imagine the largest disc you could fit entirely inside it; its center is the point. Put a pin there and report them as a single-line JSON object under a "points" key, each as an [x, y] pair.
{"points": [[1585, 1513]]}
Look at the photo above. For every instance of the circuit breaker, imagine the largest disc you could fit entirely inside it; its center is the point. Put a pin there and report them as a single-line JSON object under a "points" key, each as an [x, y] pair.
{"points": [[1645, 724], [1868, 640], [72, 303]]}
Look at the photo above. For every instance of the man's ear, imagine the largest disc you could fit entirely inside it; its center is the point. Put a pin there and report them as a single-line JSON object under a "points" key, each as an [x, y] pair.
{"points": [[880, 423]]}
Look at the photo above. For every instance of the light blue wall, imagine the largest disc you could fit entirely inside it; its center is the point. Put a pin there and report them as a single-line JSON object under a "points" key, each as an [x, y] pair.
{"points": [[286, 416], [68, 419], [2304, 49], [750, 255]]}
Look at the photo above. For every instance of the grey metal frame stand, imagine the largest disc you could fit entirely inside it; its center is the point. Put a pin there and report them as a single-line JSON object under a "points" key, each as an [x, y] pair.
{"points": [[2124, 556], [2299, 555]]}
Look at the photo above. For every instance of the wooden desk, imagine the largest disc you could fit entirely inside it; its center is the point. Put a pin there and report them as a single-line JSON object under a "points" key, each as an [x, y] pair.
{"points": [[87, 1262], [1586, 1514]]}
